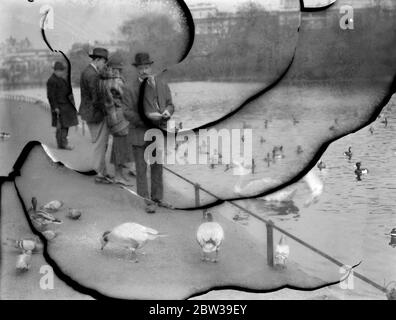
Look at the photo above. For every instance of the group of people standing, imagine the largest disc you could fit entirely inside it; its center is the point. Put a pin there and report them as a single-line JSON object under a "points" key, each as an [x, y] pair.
{"points": [[110, 105]]}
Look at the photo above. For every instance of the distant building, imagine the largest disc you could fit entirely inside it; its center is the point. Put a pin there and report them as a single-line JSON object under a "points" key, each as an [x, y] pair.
{"points": [[20, 63], [112, 45], [209, 20]]}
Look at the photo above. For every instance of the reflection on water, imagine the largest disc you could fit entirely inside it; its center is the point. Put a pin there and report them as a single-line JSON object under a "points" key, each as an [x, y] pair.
{"points": [[352, 219]]}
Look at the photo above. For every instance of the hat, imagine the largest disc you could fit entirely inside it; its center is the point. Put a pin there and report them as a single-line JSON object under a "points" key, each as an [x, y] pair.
{"points": [[99, 53], [142, 58], [59, 66], [115, 61]]}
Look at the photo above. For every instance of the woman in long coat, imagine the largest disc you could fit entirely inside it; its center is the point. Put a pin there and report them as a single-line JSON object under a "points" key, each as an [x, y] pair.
{"points": [[112, 85]]}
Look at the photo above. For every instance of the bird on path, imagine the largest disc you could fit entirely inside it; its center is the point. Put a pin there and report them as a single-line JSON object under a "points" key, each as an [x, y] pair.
{"points": [[23, 261], [52, 206], [41, 219], [130, 235], [282, 252], [27, 244], [210, 236]]}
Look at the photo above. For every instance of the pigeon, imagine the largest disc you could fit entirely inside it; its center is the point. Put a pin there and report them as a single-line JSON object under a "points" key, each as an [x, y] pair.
{"points": [[74, 214], [282, 252], [52, 206], [40, 219], [348, 153], [23, 261], [130, 235], [210, 235], [27, 244]]}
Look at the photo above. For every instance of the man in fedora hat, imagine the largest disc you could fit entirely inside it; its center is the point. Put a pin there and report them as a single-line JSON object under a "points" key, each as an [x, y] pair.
{"points": [[158, 108], [63, 111], [92, 110]]}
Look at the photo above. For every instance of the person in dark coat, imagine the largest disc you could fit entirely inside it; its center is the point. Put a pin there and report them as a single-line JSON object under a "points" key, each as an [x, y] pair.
{"points": [[63, 111], [92, 110], [158, 108], [112, 86]]}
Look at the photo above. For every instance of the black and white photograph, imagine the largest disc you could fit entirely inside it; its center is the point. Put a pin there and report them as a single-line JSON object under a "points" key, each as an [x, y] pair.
{"points": [[197, 150]]}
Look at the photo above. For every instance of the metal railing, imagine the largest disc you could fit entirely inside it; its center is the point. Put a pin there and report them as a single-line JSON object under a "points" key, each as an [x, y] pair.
{"points": [[41, 103], [270, 225]]}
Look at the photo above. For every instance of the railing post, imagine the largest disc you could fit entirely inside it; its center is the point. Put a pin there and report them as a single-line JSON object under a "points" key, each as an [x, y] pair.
{"points": [[197, 200], [270, 243]]}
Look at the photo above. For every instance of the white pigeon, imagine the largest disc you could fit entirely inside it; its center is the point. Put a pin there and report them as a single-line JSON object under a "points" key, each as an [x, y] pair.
{"points": [[210, 236], [27, 244], [52, 206], [23, 261], [131, 236], [282, 252]]}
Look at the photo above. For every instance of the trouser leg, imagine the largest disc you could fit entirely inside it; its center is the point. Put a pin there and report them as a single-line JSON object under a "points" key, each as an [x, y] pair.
{"points": [[156, 182], [64, 133], [100, 133], [58, 136], [141, 171]]}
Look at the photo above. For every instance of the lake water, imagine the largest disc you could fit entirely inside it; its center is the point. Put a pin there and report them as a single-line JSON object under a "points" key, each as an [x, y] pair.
{"points": [[351, 219]]}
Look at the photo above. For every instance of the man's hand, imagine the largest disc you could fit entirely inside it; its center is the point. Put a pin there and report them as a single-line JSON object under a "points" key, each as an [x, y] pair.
{"points": [[166, 115], [57, 111]]}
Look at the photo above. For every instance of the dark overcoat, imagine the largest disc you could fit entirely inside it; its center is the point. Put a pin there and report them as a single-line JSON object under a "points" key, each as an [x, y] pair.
{"points": [[60, 96], [92, 106], [156, 99]]}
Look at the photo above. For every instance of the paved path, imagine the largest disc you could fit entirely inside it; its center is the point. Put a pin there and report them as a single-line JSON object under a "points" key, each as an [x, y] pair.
{"points": [[171, 267]]}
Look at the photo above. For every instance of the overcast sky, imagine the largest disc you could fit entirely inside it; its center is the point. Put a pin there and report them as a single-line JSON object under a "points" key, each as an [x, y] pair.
{"points": [[89, 20]]}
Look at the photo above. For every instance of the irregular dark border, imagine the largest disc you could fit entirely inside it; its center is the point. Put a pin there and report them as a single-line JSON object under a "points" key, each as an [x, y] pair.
{"points": [[75, 285], [315, 9], [96, 294]]}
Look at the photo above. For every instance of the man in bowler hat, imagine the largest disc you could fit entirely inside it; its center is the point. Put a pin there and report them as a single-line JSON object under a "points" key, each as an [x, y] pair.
{"points": [[63, 111], [93, 112], [158, 108]]}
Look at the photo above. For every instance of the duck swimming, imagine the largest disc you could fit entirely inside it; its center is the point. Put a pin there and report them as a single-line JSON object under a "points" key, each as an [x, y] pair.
{"points": [[321, 165], [348, 153], [299, 149], [277, 152], [268, 159], [360, 171], [210, 236]]}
